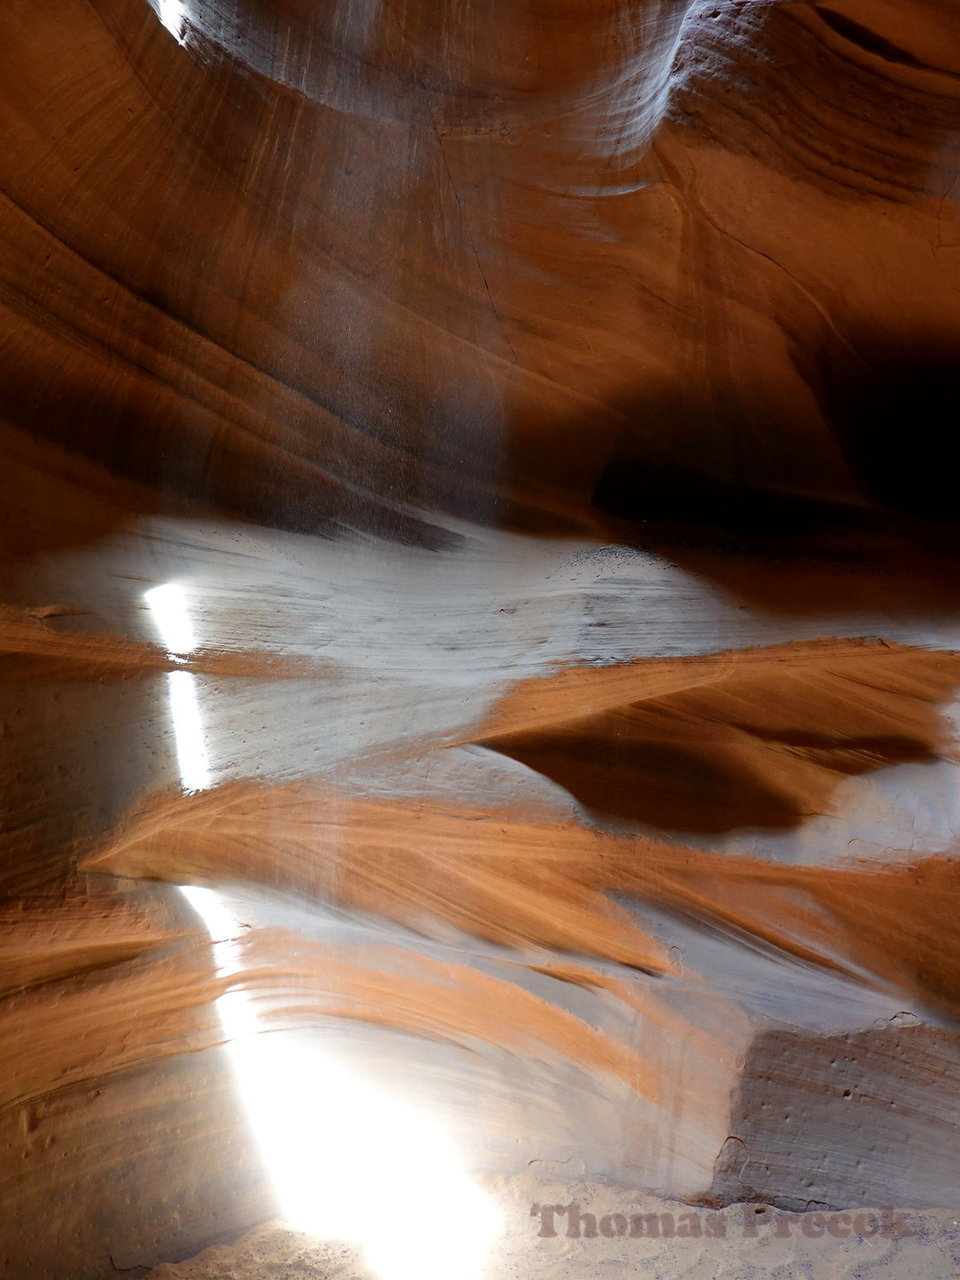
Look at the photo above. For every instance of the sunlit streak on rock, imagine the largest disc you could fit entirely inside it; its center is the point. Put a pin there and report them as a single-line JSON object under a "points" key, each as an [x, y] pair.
{"points": [[173, 16], [347, 1161], [172, 620]]}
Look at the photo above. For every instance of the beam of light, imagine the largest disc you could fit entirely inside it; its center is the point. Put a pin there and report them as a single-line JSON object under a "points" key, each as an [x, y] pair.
{"points": [[173, 16], [188, 730], [168, 607], [171, 617], [348, 1161]]}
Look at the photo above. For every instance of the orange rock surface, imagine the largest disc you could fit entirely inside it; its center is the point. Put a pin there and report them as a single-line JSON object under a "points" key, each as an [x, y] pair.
{"points": [[540, 414]]}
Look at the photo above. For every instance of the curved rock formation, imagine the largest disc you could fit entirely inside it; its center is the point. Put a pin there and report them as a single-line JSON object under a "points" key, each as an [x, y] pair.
{"points": [[535, 418]]}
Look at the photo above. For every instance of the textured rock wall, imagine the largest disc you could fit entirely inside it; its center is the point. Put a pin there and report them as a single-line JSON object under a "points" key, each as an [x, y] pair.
{"points": [[543, 412]]}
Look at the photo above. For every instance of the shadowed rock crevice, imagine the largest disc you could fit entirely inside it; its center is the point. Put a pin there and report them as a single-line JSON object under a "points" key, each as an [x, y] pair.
{"points": [[763, 742]]}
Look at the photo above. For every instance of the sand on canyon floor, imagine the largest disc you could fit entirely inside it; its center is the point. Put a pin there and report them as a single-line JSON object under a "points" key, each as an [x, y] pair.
{"points": [[660, 1240]]}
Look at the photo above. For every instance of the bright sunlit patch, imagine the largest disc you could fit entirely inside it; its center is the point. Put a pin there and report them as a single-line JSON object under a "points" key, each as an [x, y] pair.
{"points": [[168, 606], [188, 731], [348, 1162], [173, 16]]}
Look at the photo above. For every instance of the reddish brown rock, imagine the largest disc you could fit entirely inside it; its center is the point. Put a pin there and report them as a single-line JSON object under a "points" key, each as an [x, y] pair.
{"points": [[544, 412]]}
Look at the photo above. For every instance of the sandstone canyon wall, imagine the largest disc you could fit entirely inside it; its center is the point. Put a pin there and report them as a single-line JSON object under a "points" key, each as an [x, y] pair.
{"points": [[478, 605]]}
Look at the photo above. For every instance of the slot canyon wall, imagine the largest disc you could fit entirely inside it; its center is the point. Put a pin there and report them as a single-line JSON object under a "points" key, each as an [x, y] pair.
{"points": [[535, 418]]}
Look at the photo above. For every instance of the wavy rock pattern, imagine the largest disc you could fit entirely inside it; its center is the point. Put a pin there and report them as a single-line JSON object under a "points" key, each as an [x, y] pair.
{"points": [[543, 412]]}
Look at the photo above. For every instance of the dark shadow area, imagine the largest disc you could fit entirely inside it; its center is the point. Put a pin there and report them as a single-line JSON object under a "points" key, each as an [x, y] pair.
{"points": [[895, 413], [894, 541], [622, 773], [761, 745]]}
